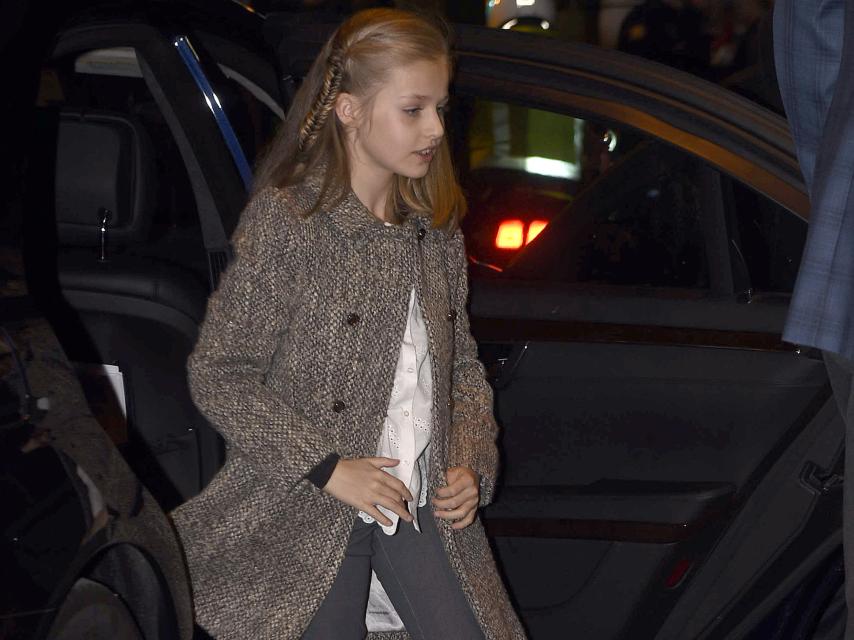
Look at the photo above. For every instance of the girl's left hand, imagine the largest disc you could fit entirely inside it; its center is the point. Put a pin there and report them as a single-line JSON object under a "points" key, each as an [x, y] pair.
{"points": [[459, 499]]}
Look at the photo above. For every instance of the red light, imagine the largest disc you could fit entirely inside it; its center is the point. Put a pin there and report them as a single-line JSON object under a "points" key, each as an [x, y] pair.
{"points": [[534, 229], [510, 234]]}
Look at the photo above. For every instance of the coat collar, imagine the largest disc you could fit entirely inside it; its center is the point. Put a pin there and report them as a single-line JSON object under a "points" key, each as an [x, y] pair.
{"points": [[353, 218]]}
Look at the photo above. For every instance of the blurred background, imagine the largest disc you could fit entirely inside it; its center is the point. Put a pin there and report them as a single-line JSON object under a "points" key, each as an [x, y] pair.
{"points": [[710, 38]]}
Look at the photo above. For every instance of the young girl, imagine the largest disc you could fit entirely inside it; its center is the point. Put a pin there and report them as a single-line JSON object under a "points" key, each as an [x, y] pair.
{"points": [[337, 362]]}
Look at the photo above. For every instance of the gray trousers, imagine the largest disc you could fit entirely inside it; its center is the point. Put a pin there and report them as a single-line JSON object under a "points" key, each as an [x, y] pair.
{"points": [[415, 573]]}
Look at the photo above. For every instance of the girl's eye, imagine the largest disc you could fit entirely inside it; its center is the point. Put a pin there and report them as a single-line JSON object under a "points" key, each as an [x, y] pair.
{"points": [[412, 112]]}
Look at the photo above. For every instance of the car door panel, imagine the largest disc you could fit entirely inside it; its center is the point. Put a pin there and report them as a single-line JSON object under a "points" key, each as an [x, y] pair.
{"points": [[647, 412], [784, 529], [629, 445]]}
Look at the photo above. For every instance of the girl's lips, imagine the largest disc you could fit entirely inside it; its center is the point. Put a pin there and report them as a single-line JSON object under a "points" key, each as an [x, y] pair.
{"points": [[426, 154]]}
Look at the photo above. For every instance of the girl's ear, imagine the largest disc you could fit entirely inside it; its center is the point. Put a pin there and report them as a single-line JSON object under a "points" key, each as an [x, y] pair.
{"points": [[346, 108]]}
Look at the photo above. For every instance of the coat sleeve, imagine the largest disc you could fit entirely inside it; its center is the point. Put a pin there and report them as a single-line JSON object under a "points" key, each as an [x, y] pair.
{"points": [[237, 340], [473, 430]]}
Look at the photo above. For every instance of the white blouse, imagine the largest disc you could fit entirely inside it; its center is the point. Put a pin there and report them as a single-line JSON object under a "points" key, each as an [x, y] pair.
{"points": [[406, 434]]}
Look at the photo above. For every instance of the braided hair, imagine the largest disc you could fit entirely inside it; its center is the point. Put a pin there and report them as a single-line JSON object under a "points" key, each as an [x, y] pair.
{"points": [[323, 104]]}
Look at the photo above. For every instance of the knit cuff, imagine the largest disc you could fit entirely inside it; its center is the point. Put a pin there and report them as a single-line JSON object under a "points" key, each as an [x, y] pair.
{"points": [[321, 473]]}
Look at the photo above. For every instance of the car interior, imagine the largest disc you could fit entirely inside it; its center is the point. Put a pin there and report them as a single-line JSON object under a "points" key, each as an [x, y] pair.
{"points": [[131, 274]]}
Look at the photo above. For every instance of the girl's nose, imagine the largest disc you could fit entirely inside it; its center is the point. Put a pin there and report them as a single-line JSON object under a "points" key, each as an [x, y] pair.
{"points": [[436, 127]]}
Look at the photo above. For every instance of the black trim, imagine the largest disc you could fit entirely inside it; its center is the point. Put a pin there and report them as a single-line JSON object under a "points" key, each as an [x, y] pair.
{"points": [[504, 330], [610, 530]]}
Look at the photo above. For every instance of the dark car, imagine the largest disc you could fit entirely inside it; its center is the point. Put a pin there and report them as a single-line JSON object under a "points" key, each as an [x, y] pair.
{"points": [[669, 465]]}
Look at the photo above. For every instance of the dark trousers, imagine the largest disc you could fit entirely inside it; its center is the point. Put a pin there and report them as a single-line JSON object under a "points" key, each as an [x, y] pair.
{"points": [[415, 573], [841, 373]]}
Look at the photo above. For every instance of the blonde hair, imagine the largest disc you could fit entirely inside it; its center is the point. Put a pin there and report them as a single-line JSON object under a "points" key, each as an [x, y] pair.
{"points": [[356, 59]]}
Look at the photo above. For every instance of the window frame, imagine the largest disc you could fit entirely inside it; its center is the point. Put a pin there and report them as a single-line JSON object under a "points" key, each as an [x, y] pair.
{"points": [[770, 170]]}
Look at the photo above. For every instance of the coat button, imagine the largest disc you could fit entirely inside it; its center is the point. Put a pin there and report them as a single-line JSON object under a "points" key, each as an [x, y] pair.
{"points": [[452, 315], [421, 233], [338, 406], [353, 319]]}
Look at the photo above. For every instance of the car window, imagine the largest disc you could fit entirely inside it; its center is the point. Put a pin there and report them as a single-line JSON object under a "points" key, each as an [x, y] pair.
{"points": [[561, 198], [765, 237]]}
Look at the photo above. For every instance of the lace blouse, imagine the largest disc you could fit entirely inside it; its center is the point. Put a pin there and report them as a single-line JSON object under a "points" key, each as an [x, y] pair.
{"points": [[406, 434]]}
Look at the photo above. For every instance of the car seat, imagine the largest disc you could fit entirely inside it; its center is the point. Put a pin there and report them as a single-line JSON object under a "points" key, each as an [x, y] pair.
{"points": [[135, 310]]}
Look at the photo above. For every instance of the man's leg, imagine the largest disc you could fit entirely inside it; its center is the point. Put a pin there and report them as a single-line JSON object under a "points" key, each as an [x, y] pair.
{"points": [[342, 613], [841, 373], [415, 573]]}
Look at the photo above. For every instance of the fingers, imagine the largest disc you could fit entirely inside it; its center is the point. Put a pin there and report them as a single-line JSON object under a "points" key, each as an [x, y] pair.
{"points": [[458, 479], [456, 487], [452, 496], [393, 503], [360, 483], [446, 492], [451, 505], [458, 501], [388, 479], [455, 514], [379, 463], [377, 515], [389, 500], [461, 517], [464, 522], [400, 488]]}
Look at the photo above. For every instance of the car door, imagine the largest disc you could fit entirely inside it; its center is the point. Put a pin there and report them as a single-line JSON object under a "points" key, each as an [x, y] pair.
{"points": [[662, 448], [129, 123]]}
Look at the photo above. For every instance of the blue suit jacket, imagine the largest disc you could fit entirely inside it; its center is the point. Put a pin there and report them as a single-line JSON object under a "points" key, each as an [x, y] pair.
{"points": [[814, 58]]}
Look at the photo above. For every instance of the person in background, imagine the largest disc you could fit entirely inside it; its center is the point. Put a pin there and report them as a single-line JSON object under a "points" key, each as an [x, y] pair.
{"points": [[668, 31], [814, 58]]}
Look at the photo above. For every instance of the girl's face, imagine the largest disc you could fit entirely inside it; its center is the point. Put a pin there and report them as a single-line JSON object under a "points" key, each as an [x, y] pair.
{"points": [[400, 129]]}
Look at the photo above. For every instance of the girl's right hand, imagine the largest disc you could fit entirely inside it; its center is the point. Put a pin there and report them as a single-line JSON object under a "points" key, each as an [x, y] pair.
{"points": [[362, 483]]}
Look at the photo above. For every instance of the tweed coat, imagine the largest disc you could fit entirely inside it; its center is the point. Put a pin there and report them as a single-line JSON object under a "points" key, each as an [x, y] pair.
{"points": [[296, 359], [814, 59]]}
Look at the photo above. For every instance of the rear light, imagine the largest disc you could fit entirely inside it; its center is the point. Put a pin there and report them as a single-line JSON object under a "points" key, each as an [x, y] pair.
{"points": [[534, 230], [512, 235]]}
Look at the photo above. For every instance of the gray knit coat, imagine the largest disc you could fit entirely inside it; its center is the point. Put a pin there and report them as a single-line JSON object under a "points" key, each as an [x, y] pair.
{"points": [[296, 359]]}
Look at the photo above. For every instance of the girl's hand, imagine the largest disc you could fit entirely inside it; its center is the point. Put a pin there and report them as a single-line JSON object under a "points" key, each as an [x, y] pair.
{"points": [[361, 483], [458, 501]]}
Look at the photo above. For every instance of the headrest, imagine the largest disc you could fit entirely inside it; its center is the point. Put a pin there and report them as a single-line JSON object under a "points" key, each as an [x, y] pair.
{"points": [[103, 159]]}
